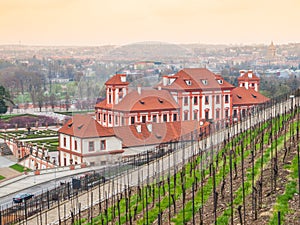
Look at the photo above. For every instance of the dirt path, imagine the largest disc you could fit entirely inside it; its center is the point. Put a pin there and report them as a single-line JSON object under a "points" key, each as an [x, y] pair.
{"points": [[8, 173]]}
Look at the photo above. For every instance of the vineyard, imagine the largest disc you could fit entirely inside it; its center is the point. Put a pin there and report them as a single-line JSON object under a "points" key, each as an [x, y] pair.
{"points": [[252, 176]]}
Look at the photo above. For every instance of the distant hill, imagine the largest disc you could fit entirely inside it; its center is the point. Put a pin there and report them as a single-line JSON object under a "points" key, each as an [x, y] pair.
{"points": [[149, 51]]}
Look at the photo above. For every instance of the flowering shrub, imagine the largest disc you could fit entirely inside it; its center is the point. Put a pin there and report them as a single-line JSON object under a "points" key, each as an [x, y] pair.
{"points": [[27, 121]]}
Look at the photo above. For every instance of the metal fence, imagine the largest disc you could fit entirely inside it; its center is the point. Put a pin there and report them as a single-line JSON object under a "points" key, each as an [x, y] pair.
{"points": [[14, 213]]}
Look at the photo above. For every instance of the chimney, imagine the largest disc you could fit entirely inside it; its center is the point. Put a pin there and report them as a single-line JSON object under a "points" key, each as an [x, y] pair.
{"points": [[242, 72], [123, 77], [139, 89], [159, 88], [165, 80], [250, 73]]}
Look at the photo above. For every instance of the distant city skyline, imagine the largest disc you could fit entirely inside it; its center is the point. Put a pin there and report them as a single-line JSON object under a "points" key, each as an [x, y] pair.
{"points": [[117, 22]]}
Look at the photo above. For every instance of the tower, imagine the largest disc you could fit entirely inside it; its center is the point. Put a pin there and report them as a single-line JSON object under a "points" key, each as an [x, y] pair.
{"points": [[248, 80], [271, 51], [116, 89]]}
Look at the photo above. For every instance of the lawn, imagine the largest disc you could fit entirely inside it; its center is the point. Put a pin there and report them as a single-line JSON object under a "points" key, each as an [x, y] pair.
{"points": [[2, 177], [18, 167]]}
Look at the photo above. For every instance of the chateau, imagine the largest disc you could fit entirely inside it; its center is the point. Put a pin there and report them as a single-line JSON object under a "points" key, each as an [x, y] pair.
{"points": [[129, 121]]}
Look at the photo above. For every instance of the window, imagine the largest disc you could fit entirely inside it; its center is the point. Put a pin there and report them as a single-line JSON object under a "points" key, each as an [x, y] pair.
{"points": [[123, 120], [104, 117], [220, 81], [143, 119], [206, 115], [217, 99], [75, 145], [132, 120], [154, 118], [185, 100], [244, 112], [174, 117], [109, 99], [206, 100], [116, 120], [217, 114], [91, 146], [234, 113], [226, 98], [204, 82], [165, 117], [188, 82], [103, 145], [65, 142], [186, 115], [226, 113], [99, 116], [109, 118], [195, 100], [195, 115]]}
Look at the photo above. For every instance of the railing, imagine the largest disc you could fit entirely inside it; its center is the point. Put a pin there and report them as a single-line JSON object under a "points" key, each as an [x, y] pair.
{"points": [[14, 213]]}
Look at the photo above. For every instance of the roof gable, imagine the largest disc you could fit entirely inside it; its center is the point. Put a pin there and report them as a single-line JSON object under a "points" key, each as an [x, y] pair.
{"points": [[197, 78], [117, 80], [146, 100], [243, 96], [85, 126]]}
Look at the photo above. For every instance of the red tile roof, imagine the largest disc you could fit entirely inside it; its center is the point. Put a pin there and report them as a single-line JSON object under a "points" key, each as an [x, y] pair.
{"points": [[198, 77], [161, 132], [148, 100], [116, 80], [246, 76], [243, 96], [85, 126]]}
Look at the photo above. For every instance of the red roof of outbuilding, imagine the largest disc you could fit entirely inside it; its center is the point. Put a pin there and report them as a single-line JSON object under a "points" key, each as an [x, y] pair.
{"points": [[85, 126], [161, 132], [243, 96]]}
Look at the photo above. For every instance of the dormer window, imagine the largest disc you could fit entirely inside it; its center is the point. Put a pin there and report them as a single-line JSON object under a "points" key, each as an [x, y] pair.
{"points": [[254, 96], [239, 96], [188, 82], [220, 81], [160, 100], [142, 102], [204, 82]]}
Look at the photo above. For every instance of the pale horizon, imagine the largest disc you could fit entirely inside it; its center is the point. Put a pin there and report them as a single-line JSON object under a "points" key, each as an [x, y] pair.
{"points": [[116, 22]]}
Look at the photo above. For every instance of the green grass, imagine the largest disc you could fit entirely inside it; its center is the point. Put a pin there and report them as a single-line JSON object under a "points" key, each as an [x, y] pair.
{"points": [[18, 167], [71, 113], [8, 117], [2, 177], [208, 187], [164, 203], [282, 203], [224, 218]]}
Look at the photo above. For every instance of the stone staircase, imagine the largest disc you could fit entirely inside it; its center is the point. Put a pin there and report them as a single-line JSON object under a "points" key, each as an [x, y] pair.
{"points": [[6, 149]]}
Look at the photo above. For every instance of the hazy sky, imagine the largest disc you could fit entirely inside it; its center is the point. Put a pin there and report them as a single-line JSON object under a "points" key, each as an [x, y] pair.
{"points": [[97, 22]]}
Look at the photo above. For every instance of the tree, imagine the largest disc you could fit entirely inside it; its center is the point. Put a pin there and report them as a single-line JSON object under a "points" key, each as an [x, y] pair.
{"points": [[52, 100], [4, 99], [41, 100]]}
